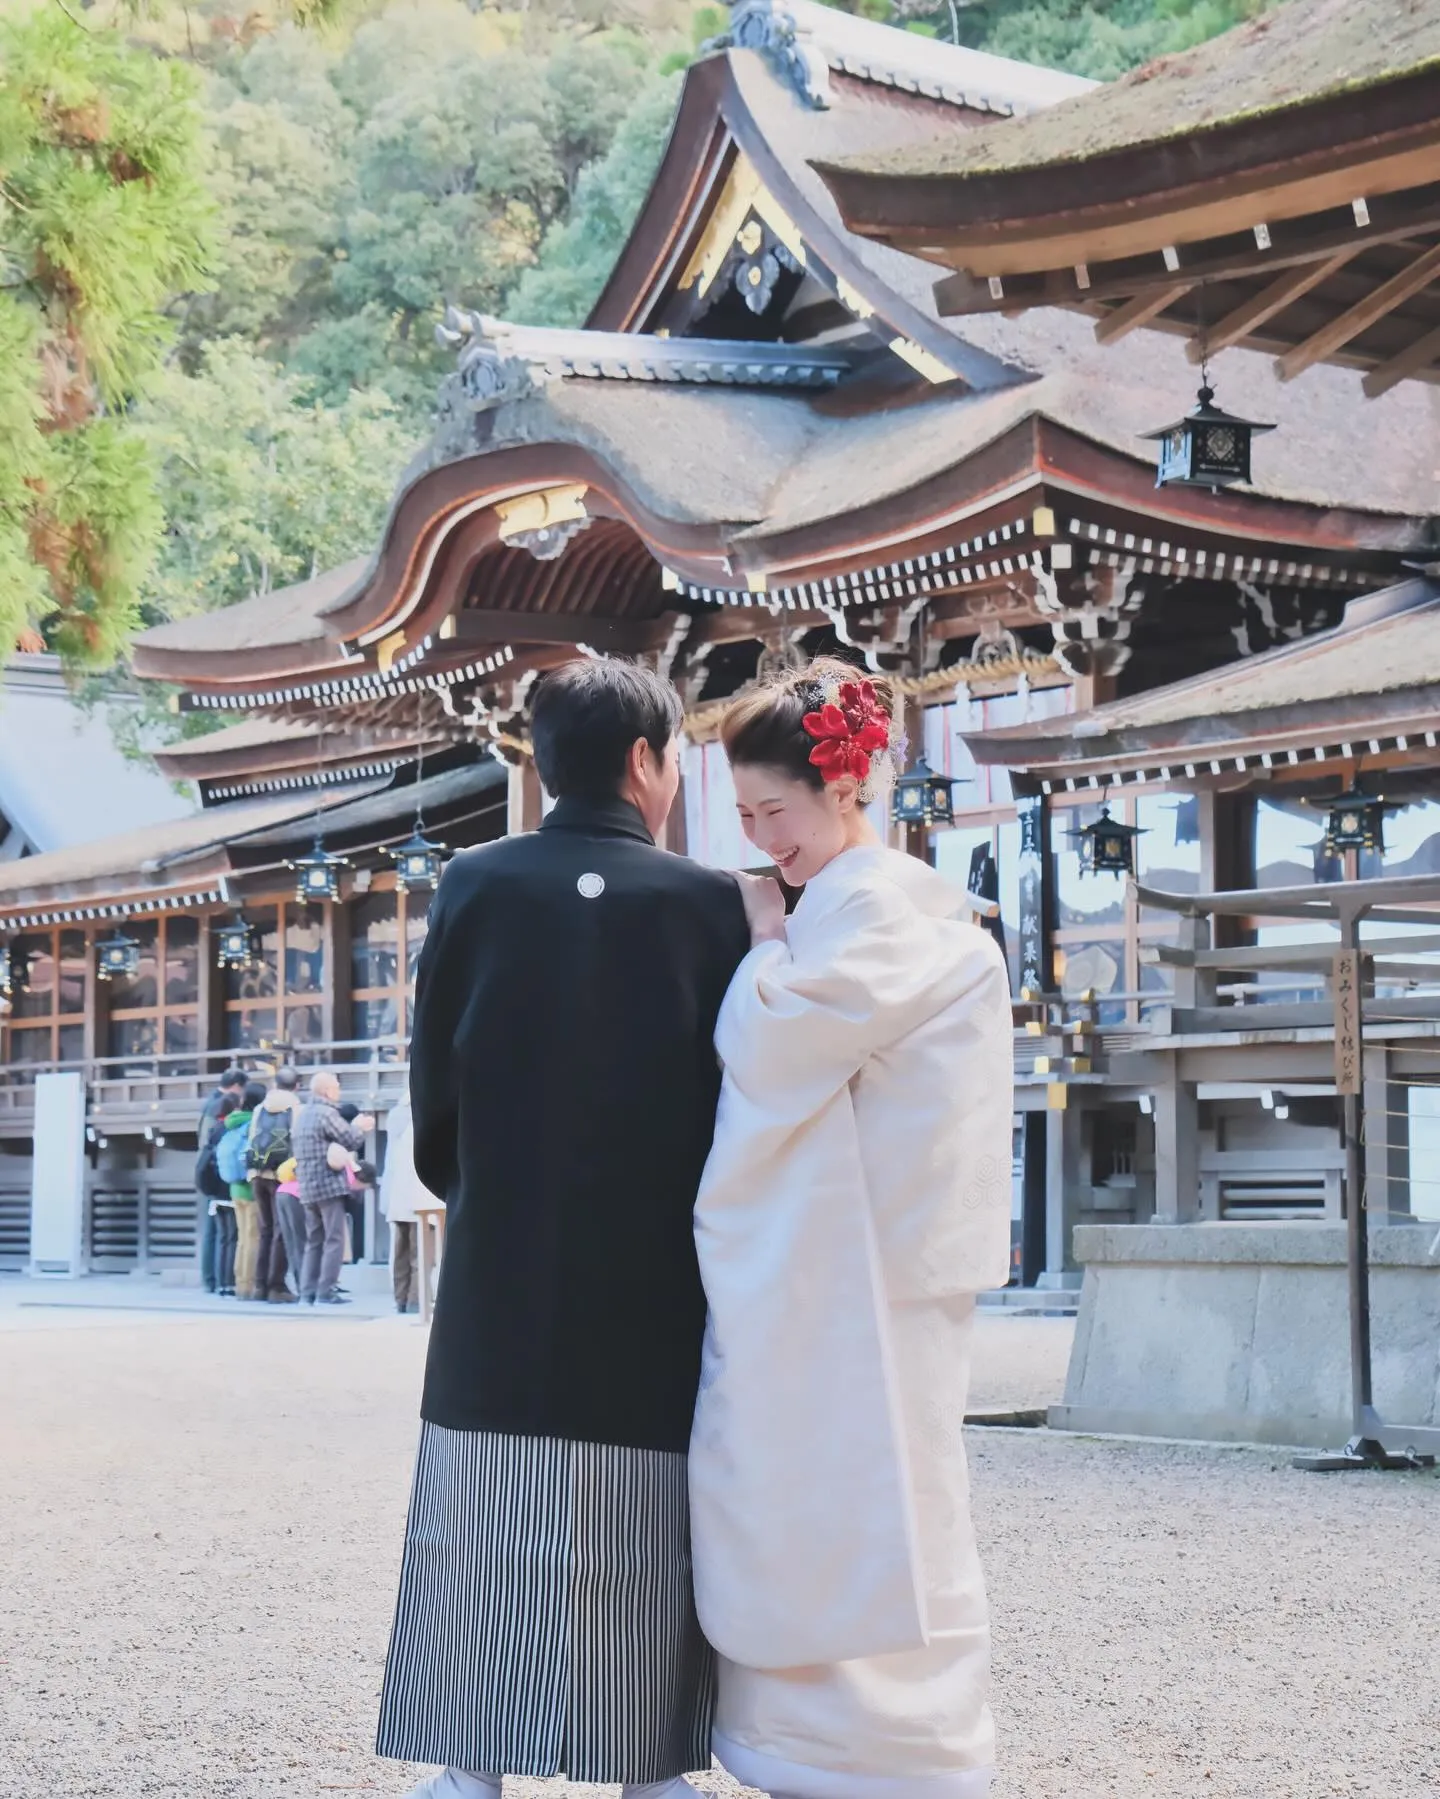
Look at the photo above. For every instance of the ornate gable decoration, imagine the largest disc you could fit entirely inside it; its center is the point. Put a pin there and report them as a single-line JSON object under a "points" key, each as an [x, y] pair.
{"points": [[769, 27]]}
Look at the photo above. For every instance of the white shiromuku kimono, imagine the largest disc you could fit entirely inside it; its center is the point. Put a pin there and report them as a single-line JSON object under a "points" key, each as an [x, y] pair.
{"points": [[855, 1202]]}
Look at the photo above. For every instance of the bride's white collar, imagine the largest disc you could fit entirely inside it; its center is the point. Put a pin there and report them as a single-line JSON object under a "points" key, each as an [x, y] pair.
{"points": [[927, 890]]}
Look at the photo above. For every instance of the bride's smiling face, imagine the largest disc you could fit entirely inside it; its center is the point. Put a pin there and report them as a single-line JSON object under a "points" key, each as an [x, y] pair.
{"points": [[799, 827]]}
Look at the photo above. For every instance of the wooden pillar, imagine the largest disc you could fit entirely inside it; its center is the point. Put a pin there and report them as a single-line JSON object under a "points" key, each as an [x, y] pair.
{"points": [[1093, 690], [1066, 1171], [1033, 1210], [210, 994], [676, 836], [1227, 853], [913, 840], [1177, 1148], [525, 804], [336, 1012], [97, 1004], [1193, 986]]}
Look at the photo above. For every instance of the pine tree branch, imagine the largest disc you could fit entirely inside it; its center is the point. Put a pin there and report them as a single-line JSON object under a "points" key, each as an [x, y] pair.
{"points": [[77, 23]]}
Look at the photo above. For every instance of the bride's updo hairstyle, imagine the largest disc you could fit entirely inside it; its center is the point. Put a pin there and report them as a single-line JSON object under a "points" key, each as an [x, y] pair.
{"points": [[766, 728]]}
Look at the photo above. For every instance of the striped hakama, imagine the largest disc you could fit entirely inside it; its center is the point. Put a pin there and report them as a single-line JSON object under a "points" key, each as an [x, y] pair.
{"points": [[546, 1621]]}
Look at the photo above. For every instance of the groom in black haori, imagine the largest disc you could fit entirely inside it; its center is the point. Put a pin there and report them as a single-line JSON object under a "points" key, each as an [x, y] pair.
{"points": [[564, 1086]]}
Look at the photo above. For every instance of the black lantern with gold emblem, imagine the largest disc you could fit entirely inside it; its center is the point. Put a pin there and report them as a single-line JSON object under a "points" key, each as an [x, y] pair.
{"points": [[922, 797], [1107, 845], [317, 876], [1355, 821], [237, 944], [1209, 447], [117, 957], [418, 861]]}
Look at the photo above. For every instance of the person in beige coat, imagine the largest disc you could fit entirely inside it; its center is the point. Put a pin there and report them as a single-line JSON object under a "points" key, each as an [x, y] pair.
{"points": [[401, 1190], [856, 1200]]}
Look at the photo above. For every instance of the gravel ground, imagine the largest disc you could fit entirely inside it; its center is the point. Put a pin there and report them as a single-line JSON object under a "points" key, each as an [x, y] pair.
{"points": [[200, 1524]]}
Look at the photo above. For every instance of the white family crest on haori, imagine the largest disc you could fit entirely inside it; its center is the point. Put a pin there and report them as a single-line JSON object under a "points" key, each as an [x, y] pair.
{"points": [[860, 1178]]}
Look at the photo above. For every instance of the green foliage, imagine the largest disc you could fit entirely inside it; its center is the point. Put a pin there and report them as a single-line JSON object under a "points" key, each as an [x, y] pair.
{"points": [[285, 489], [223, 241], [103, 216], [432, 159], [1099, 38], [580, 251]]}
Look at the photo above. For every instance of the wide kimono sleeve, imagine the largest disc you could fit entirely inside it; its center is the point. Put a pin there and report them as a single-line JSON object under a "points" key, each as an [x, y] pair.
{"points": [[434, 1087], [802, 1017]]}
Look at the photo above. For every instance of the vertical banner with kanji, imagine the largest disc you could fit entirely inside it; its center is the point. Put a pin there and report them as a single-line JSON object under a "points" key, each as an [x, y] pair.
{"points": [[1345, 981], [1034, 899]]}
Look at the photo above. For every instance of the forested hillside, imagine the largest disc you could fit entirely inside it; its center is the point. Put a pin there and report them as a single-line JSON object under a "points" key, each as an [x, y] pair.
{"points": [[213, 393]]}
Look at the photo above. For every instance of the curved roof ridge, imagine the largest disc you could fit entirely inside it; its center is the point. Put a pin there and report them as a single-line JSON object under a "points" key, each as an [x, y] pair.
{"points": [[929, 66]]}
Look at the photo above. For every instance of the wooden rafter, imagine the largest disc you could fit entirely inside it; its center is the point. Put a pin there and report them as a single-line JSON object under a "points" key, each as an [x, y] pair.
{"points": [[1260, 307], [1139, 311], [1359, 317], [1416, 356]]}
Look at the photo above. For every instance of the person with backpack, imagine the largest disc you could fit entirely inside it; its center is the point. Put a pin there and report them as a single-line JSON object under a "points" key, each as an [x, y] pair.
{"points": [[208, 1229], [218, 1241], [279, 1247], [232, 1158]]}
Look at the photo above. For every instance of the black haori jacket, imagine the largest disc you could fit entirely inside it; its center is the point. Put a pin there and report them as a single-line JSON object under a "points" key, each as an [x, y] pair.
{"points": [[564, 1081]]}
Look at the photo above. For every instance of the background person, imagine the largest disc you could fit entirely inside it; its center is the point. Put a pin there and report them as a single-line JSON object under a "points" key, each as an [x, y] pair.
{"points": [[270, 1148], [231, 1085], [401, 1190], [323, 1187], [563, 1084], [360, 1175], [232, 1157], [220, 1209]]}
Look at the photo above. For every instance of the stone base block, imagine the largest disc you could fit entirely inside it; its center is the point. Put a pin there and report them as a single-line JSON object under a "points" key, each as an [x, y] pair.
{"points": [[1238, 1332]]}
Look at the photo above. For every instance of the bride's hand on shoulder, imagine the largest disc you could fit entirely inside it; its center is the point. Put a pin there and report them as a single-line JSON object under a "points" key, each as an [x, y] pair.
{"points": [[764, 907]]}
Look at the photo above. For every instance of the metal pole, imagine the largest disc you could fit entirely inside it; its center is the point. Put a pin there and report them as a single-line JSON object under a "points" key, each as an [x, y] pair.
{"points": [[1356, 1221], [1365, 1449]]}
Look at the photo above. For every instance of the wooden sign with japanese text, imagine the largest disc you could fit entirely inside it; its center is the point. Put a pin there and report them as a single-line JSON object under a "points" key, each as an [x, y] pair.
{"points": [[1345, 983]]}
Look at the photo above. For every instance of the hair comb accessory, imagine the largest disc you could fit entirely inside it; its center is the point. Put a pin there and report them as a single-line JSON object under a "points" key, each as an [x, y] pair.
{"points": [[848, 729]]}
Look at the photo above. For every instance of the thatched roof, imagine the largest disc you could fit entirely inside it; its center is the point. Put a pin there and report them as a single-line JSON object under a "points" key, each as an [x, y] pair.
{"points": [[1291, 56]]}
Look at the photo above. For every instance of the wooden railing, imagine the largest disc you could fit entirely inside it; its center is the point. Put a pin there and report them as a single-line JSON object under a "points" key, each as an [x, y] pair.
{"points": [[167, 1092]]}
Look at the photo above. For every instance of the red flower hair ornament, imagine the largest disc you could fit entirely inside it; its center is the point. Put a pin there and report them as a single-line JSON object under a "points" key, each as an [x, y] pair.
{"points": [[848, 731]]}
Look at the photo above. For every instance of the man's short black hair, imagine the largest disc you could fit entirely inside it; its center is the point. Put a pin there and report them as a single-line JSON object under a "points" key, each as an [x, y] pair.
{"points": [[233, 1077], [586, 716]]}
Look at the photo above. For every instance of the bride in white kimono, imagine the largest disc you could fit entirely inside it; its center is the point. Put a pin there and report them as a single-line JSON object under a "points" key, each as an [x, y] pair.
{"points": [[856, 1201]]}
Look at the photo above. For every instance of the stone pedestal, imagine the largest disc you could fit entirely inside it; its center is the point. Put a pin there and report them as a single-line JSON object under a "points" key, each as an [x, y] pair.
{"points": [[1239, 1332]]}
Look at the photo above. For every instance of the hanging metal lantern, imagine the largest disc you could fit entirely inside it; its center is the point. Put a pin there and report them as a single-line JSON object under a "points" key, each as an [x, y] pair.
{"points": [[1107, 845], [1209, 447], [1355, 821], [237, 945], [317, 876], [418, 861], [117, 957], [922, 797]]}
